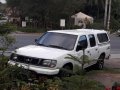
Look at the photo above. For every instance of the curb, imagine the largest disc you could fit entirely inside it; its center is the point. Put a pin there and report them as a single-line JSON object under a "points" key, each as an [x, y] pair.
{"points": [[115, 56], [6, 52]]}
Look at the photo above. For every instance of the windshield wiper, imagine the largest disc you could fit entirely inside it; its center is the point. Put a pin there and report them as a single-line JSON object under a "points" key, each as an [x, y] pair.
{"points": [[54, 46]]}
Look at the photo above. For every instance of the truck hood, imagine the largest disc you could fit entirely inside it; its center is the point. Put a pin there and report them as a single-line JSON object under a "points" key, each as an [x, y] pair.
{"points": [[41, 52]]}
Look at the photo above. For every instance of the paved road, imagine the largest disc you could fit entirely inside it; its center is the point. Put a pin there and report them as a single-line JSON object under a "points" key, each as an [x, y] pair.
{"points": [[23, 40], [115, 44]]}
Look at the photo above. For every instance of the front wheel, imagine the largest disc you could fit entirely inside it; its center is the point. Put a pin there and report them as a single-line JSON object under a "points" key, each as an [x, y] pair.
{"points": [[66, 71]]}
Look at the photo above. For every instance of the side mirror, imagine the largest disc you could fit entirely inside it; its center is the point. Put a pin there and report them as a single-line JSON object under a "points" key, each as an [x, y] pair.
{"points": [[36, 41], [80, 47]]}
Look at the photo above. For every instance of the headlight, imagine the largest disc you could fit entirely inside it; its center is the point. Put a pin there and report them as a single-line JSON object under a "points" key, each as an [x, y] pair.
{"points": [[49, 63], [13, 57]]}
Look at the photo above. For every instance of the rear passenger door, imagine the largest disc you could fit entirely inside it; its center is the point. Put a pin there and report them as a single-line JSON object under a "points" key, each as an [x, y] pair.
{"points": [[92, 50]]}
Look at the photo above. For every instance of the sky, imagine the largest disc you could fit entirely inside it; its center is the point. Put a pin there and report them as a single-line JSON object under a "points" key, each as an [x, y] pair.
{"points": [[3, 1]]}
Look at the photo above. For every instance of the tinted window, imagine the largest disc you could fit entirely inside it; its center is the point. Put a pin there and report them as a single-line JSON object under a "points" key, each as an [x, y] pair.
{"points": [[83, 41], [102, 37], [92, 40], [58, 40]]}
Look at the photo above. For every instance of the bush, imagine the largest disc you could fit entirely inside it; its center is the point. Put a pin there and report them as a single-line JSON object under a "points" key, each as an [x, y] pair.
{"points": [[3, 62], [5, 39], [13, 76], [96, 25], [7, 28], [80, 83], [114, 25], [31, 30]]}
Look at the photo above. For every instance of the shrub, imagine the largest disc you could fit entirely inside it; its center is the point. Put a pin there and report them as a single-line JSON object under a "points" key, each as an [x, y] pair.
{"points": [[13, 76], [31, 30], [7, 28], [3, 62], [114, 25], [80, 83], [96, 25], [5, 39]]}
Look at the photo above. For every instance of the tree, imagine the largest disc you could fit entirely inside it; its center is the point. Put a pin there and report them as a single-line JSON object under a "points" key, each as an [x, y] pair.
{"points": [[5, 39], [95, 8], [45, 11]]}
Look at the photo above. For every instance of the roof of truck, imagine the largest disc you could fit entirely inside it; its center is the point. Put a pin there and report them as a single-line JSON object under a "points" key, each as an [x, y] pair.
{"points": [[79, 31]]}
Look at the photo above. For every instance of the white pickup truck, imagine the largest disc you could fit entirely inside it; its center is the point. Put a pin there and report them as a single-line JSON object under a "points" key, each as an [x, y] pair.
{"points": [[48, 56]]}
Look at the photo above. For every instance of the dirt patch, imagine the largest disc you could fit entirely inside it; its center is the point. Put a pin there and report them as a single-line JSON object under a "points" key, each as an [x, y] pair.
{"points": [[106, 79], [112, 63], [110, 76]]}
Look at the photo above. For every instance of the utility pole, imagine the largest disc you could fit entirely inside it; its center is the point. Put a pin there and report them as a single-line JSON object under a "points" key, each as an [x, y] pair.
{"points": [[105, 14], [109, 15]]}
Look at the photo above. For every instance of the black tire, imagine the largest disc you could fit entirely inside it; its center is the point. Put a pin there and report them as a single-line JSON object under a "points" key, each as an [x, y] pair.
{"points": [[100, 63], [66, 71]]}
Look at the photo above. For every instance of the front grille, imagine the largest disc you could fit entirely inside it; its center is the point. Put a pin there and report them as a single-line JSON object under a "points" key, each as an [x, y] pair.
{"points": [[28, 60]]}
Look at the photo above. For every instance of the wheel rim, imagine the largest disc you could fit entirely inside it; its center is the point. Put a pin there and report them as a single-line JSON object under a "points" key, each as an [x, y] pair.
{"points": [[101, 64]]}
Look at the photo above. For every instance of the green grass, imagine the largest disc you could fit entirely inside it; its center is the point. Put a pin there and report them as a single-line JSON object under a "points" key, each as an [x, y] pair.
{"points": [[112, 70], [105, 70]]}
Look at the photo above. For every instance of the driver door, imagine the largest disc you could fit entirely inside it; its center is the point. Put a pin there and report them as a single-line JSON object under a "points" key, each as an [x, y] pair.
{"points": [[82, 43]]}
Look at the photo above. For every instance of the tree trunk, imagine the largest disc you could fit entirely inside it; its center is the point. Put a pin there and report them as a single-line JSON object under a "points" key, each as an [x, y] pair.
{"points": [[105, 14]]}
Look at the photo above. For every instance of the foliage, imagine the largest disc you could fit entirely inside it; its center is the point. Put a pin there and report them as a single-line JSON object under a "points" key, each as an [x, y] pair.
{"points": [[7, 28], [96, 25], [12, 76], [53, 84], [31, 30], [47, 13], [80, 83], [5, 39], [114, 25], [95, 8], [2, 7], [3, 62]]}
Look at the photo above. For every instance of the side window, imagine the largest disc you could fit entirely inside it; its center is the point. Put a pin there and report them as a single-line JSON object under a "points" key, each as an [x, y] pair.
{"points": [[102, 37], [82, 41], [92, 40]]}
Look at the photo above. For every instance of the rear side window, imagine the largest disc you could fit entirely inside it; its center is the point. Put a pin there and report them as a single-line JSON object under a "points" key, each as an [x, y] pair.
{"points": [[102, 37], [92, 40]]}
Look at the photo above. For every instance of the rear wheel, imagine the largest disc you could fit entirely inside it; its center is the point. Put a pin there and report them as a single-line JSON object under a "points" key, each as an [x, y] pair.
{"points": [[100, 63]]}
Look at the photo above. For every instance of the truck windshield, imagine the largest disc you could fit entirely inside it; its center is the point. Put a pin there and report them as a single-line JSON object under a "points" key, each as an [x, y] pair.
{"points": [[58, 40]]}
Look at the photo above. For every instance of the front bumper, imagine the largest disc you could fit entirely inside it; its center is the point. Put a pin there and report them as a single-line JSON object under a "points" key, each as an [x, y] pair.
{"points": [[36, 69]]}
